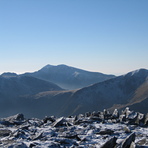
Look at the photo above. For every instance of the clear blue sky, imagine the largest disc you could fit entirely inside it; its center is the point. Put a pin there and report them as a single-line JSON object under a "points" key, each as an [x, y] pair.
{"points": [[109, 36]]}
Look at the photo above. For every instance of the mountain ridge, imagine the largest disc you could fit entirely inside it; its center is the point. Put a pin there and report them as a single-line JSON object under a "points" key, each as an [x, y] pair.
{"points": [[130, 89], [116, 92], [69, 77]]}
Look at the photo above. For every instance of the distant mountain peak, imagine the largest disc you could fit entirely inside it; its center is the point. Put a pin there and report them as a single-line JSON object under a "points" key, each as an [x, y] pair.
{"points": [[139, 72], [47, 66], [9, 75], [69, 77], [63, 65]]}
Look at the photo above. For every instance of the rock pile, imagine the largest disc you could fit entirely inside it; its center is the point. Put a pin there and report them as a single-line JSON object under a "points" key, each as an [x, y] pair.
{"points": [[89, 130]]}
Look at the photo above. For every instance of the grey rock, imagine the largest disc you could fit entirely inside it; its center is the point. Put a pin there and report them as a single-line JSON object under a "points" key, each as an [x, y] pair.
{"points": [[132, 117], [115, 114], [122, 118], [18, 145], [106, 132], [127, 142], [38, 136], [142, 142], [66, 142], [72, 135], [126, 129], [111, 143], [4, 132], [126, 112], [51, 118], [19, 134], [106, 114], [60, 122], [146, 120], [17, 119], [87, 114], [95, 118]]}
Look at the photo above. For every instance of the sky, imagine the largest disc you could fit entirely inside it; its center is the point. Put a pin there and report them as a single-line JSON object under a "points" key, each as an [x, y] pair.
{"points": [[108, 36]]}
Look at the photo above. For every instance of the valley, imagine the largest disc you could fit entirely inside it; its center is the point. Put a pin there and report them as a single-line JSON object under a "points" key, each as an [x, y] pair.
{"points": [[36, 97]]}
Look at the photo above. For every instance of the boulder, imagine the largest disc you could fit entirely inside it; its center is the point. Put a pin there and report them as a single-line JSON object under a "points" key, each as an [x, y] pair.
{"points": [[146, 120], [128, 141], [18, 145], [132, 117], [126, 112], [60, 122], [115, 114], [106, 132], [122, 118], [111, 143], [17, 119], [4, 132], [140, 119], [51, 118]]}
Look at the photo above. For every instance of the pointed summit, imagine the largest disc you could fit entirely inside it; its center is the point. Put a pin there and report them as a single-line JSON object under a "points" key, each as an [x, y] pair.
{"points": [[139, 73], [47, 67]]}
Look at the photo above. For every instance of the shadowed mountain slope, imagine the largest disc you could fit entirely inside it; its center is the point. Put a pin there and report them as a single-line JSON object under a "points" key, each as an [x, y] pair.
{"points": [[126, 90], [12, 86], [69, 77], [123, 91], [11, 83]]}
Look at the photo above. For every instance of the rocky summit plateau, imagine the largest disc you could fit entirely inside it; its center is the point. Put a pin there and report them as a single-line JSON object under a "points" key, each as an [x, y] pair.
{"points": [[128, 129]]}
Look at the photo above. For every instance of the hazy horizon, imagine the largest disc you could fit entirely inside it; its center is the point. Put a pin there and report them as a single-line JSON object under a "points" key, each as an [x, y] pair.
{"points": [[116, 74], [100, 36]]}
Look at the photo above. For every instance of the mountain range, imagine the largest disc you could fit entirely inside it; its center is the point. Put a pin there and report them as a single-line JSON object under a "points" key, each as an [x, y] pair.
{"points": [[68, 77], [35, 97]]}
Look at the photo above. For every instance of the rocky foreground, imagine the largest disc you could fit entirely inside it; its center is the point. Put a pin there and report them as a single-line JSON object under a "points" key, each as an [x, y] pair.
{"points": [[91, 130]]}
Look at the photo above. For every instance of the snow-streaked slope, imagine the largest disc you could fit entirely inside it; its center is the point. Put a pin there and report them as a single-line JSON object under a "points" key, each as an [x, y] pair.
{"points": [[69, 77], [118, 92], [126, 90]]}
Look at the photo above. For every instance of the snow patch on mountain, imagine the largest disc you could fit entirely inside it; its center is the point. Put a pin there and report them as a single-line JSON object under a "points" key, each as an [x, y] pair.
{"points": [[76, 74]]}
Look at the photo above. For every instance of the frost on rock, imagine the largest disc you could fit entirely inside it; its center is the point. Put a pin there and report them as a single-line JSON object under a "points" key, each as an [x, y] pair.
{"points": [[96, 130]]}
